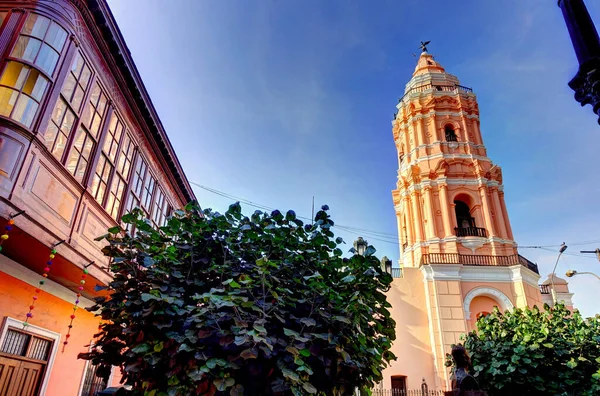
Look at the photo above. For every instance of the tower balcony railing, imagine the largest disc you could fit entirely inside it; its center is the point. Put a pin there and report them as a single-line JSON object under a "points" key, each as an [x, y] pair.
{"points": [[437, 87], [470, 231], [545, 289], [478, 260]]}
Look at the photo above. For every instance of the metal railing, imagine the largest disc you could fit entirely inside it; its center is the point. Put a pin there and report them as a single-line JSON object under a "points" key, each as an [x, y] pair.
{"points": [[545, 289], [477, 260], [443, 88], [396, 273], [470, 231]]}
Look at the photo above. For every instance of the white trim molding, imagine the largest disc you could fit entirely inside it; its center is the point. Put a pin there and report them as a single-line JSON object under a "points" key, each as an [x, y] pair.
{"points": [[476, 273], [18, 324], [495, 294]]}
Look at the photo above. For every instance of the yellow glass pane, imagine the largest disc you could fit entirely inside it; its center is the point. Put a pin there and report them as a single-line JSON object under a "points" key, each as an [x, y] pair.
{"points": [[35, 85], [8, 98], [14, 75]]}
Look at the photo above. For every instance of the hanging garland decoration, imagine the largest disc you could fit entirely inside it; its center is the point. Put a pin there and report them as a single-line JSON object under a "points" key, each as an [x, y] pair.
{"points": [[76, 305], [8, 227], [38, 289]]}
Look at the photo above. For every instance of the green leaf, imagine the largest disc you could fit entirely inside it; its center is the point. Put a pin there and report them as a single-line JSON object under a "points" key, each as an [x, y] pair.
{"points": [[141, 349], [308, 322], [305, 352], [290, 374], [308, 387], [249, 354], [114, 230], [290, 333], [348, 278], [342, 319]]}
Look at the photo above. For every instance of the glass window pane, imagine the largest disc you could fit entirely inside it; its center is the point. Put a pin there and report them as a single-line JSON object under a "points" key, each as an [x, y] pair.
{"points": [[68, 121], [59, 111], [85, 76], [77, 98], [35, 85], [25, 110], [69, 86], [56, 36], [47, 59], [50, 135], [36, 25], [59, 147], [8, 98], [77, 65], [14, 75], [26, 48]]}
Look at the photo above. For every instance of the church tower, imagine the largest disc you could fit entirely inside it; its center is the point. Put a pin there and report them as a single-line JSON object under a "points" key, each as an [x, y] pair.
{"points": [[458, 254]]}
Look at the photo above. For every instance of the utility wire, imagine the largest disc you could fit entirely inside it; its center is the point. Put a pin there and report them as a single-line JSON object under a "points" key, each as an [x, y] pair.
{"points": [[377, 235]]}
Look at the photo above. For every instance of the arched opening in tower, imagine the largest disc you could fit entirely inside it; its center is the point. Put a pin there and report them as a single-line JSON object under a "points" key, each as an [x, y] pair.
{"points": [[463, 215], [450, 134]]}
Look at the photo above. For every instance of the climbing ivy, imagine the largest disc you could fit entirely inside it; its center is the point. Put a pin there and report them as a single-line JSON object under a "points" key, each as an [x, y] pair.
{"points": [[227, 304]]}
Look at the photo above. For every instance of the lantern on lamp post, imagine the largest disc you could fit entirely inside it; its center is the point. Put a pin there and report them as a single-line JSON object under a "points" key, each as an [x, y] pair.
{"points": [[360, 245], [386, 265]]}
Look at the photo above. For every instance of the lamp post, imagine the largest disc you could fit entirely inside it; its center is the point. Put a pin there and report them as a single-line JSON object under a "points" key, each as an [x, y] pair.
{"points": [[572, 273], [586, 44], [386, 265], [360, 245], [562, 249]]}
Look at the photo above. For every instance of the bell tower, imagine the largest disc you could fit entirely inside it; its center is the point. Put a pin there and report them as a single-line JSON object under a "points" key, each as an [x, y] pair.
{"points": [[458, 254], [449, 197]]}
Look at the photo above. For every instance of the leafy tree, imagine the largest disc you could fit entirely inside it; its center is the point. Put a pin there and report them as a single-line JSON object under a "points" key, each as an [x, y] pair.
{"points": [[533, 352], [227, 304]]}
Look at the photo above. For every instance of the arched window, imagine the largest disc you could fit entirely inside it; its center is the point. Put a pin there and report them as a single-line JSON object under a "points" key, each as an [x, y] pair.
{"points": [[463, 215], [450, 134]]}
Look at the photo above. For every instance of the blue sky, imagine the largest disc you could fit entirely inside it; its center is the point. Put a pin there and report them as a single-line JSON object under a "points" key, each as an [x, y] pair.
{"points": [[277, 101]]}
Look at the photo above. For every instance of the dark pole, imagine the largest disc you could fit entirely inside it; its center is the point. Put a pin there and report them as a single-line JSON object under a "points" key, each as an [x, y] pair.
{"points": [[586, 44]]}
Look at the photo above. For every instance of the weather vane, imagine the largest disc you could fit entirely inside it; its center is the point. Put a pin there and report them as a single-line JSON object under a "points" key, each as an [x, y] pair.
{"points": [[424, 45]]}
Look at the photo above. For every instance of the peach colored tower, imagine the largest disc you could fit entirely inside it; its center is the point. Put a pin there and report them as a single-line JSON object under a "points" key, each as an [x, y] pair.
{"points": [[458, 255]]}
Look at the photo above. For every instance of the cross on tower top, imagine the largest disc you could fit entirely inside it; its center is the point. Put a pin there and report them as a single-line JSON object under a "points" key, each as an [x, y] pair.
{"points": [[424, 45]]}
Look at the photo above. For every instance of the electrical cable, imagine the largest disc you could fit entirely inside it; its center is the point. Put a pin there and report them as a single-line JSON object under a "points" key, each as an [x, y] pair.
{"points": [[377, 235]]}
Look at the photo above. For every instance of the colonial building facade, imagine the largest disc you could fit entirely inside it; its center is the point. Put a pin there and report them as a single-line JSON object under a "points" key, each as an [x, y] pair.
{"points": [[80, 144], [458, 254]]}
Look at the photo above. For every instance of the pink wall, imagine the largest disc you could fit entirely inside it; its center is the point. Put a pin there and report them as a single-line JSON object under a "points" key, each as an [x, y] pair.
{"points": [[478, 305], [412, 345]]}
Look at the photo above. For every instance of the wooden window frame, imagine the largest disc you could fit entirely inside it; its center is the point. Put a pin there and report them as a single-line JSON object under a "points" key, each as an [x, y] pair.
{"points": [[9, 322], [78, 113], [18, 34]]}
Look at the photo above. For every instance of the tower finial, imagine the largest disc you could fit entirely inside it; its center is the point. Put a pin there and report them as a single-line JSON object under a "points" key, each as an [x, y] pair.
{"points": [[424, 45]]}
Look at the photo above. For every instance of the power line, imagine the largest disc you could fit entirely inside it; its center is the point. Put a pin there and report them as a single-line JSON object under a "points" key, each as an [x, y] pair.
{"points": [[375, 235]]}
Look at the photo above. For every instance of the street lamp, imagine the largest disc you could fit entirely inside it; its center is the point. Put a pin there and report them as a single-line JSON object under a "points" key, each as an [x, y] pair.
{"points": [[386, 264], [562, 249], [587, 49], [572, 273], [360, 245]]}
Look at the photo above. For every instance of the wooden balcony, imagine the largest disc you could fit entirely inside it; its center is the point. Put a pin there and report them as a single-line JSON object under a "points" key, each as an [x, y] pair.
{"points": [[470, 232], [478, 260]]}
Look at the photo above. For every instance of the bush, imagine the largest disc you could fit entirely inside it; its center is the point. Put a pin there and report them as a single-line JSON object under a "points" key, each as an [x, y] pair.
{"points": [[225, 304], [533, 352]]}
